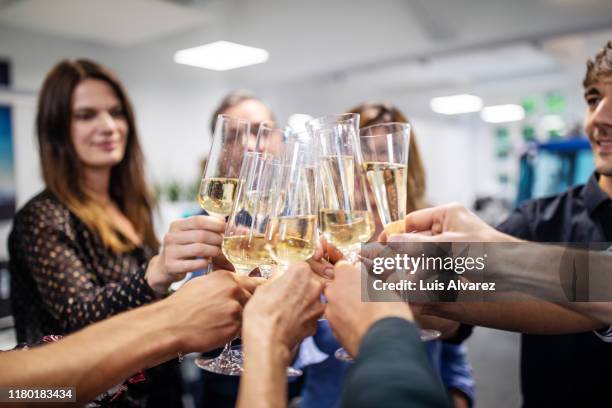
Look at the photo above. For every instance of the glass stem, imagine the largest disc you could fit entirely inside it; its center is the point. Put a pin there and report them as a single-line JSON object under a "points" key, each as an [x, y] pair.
{"points": [[225, 353]]}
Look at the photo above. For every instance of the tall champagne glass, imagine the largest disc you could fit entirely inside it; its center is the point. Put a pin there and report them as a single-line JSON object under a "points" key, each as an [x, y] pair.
{"points": [[220, 179], [292, 231], [384, 150], [244, 243], [345, 216]]}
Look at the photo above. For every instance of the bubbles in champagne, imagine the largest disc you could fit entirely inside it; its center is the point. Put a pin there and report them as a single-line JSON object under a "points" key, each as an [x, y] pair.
{"points": [[217, 195], [346, 230], [389, 184], [246, 252], [291, 239], [338, 179]]}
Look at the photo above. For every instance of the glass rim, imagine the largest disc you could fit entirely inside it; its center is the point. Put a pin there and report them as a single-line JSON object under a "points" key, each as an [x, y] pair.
{"points": [[271, 125], [327, 119], [262, 155], [233, 118], [402, 125]]}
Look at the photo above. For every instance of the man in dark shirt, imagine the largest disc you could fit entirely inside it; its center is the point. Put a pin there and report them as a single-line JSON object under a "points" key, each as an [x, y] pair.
{"points": [[573, 370]]}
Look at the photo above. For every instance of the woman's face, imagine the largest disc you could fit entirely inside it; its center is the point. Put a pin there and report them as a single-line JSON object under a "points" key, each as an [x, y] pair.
{"points": [[99, 129]]}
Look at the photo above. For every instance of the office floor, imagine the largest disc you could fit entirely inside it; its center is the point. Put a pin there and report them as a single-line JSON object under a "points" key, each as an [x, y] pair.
{"points": [[494, 355]]}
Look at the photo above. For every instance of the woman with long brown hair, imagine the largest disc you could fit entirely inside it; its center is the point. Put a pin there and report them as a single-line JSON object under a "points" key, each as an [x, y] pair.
{"points": [[84, 248]]}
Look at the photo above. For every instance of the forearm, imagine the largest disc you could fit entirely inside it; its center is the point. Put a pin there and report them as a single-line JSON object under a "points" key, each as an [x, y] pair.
{"points": [[576, 279], [97, 357], [264, 380], [535, 317]]}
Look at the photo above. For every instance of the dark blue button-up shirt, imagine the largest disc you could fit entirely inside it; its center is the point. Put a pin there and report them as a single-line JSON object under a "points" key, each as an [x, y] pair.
{"points": [[567, 370]]}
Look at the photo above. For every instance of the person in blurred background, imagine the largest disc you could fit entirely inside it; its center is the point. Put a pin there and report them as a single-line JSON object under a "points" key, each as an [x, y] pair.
{"points": [[324, 380], [83, 249], [244, 105], [377, 113]]}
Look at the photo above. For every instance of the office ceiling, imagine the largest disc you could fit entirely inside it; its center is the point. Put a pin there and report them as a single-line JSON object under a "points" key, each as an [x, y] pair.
{"points": [[417, 43]]}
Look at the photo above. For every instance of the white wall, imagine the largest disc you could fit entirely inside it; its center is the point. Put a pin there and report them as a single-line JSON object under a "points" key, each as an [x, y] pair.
{"points": [[173, 103], [457, 151], [173, 106]]}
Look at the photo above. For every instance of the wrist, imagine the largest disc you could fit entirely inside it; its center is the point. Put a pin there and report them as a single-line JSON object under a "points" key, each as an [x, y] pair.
{"points": [[265, 343], [273, 354], [157, 335], [156, 277], [169, 327]]}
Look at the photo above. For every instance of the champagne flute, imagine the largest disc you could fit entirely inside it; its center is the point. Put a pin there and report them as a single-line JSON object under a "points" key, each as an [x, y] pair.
{"points": [[384, 154], [292, 232], [384, 150], [244, 243], [220, 179], [345, 215]]}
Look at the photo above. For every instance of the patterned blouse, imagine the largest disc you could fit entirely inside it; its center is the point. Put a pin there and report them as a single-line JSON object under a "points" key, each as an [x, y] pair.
{"points": [[63, 278]]}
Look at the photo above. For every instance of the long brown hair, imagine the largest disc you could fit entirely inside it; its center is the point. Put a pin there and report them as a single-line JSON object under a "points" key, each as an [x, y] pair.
{"points": [[63, 171], [373, 113]]}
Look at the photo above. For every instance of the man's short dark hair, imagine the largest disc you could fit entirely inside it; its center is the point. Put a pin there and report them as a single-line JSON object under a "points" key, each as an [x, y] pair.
{"points": [[599, 66]]}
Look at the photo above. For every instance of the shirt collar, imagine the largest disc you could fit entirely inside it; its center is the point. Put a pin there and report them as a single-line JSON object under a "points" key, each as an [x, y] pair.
{"points": [[593, 194]]}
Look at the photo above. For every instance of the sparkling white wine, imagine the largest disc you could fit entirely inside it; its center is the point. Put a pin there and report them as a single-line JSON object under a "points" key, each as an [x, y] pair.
{"points": [[291, 239], [338, 179], [246, 252], [346, 230], [389, 184], [217, 195]]}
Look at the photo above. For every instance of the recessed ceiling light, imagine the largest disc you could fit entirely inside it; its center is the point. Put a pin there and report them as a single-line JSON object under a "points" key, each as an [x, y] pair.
{"points": [[456, 104], [502, 113], [221, 56]]}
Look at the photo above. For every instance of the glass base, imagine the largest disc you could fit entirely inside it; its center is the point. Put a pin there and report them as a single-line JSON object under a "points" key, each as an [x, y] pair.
{"points": [[227, 363], [429, 334], [232, 363], [343, 355], [426, 335]]}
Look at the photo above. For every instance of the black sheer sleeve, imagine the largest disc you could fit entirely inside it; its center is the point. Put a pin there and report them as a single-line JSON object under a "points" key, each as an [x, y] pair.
{"points": [[45, 244]]}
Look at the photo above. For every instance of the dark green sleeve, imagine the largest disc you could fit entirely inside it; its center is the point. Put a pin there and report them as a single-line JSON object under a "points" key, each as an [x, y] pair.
{"points": [[392, 370]]}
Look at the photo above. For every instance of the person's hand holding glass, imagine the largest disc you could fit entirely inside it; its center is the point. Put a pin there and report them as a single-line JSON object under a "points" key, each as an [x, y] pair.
{"points": [[244, 244]]}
